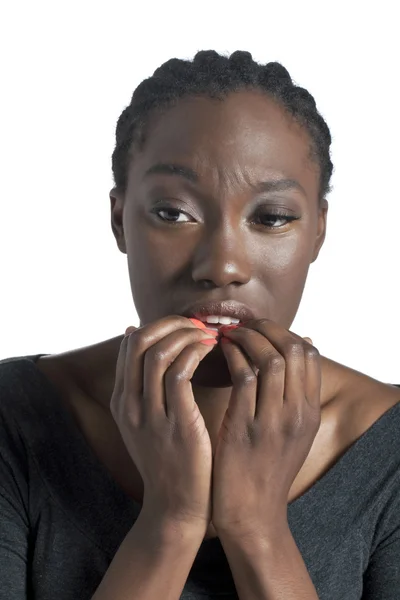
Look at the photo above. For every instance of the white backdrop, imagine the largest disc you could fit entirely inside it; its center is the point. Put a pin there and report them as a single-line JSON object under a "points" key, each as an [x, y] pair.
{"points": [[69, 69]]}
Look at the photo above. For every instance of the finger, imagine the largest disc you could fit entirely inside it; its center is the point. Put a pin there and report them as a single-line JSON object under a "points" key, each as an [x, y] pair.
{"points": [[130, 329], [292, 365], [291, 349], [179, 398], [157, 360], [143, 338], [312, 360], [115, 403], [305, 365], [313, 372], [271, 365], [243, 399]]}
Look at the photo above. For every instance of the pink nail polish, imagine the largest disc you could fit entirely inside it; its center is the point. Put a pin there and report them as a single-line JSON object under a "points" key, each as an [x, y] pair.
{"points": [[211, 332], [198, 323], [209, 342]]}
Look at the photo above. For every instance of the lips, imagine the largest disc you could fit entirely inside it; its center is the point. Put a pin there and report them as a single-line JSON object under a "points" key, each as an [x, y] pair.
{"points": [[226, 308]]}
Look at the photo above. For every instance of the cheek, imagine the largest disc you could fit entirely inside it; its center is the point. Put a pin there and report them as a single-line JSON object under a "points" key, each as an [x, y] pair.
{"points": [[154, 259], [283, 256], [169, 254], [283, 267], [145, 274], [155, 268]]}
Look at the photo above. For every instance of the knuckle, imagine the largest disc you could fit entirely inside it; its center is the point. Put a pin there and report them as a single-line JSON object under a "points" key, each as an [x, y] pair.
{"points": [[117, 409], [176, 375], [311, 353], [294, 349], [298, 420], [295, 423], [113, 407], [263, 321], [315, 418], [236, 434], [275, 363], [183, 321], [244, 377], [254, 432], [245, 435], [138, 340], [157, 354]]}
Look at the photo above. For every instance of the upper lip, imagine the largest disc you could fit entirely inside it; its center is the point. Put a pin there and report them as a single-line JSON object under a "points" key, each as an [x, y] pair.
{"points": [[226, 308]]}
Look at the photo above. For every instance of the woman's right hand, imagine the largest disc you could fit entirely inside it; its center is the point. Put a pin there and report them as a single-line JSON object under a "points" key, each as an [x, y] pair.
{"points": [[159, 421]]}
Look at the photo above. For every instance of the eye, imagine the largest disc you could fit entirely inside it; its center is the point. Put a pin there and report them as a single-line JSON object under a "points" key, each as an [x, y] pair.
{"points": [[175, 214], [274, 217]]}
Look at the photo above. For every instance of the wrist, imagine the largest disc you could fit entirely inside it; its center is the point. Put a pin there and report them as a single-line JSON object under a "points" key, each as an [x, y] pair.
{"points": [[171, 528], [270, 534]]}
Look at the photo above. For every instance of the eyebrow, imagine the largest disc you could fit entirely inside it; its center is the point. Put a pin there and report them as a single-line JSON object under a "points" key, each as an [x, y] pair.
{"points": [[274, 185]]}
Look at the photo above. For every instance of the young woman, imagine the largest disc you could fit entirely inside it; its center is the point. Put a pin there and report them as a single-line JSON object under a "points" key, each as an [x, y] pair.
{"points": [[212, 452]]}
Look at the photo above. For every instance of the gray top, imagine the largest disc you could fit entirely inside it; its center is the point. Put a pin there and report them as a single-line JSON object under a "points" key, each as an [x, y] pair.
{"points": [[63, 517]]}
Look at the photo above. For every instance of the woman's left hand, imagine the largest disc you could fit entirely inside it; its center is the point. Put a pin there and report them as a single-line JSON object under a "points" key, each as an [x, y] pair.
{"points": [[269, 427]]}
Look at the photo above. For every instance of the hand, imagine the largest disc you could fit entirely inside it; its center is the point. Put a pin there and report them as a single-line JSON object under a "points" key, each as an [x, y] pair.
{"points": [[159, 421], [269, 426]]}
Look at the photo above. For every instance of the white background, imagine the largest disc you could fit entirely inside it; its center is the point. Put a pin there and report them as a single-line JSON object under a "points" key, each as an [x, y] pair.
{"points": [[68, 70]]}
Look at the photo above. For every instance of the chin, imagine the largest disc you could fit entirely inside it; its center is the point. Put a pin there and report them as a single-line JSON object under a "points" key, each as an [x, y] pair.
{"points": [[213, 371]]}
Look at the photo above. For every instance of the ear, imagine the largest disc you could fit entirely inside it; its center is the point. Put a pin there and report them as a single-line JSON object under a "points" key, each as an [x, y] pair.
{"points": [[117, 210], [321, 231]]}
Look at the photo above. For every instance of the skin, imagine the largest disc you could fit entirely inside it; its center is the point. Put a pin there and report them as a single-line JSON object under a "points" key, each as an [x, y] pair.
{"points": [[220, 251]]}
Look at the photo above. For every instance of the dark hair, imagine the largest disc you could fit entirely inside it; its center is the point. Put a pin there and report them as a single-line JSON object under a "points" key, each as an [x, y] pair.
{"points": [[214, 75]]}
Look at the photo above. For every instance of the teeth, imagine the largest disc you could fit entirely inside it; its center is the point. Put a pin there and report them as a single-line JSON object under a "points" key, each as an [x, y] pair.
{"points": [[221, 320]]}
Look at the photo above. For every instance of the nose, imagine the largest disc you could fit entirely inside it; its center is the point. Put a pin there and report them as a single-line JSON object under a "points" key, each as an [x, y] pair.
{"points": [[221, 258]]}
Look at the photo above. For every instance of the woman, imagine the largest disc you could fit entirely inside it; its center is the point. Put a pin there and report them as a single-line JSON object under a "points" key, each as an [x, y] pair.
{"points": [[211, 451]]}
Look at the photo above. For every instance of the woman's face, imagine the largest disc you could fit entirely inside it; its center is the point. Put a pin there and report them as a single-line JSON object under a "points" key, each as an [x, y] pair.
{"points": [[205, 232]]}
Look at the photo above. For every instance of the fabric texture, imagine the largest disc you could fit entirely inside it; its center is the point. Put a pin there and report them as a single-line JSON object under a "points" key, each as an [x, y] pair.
{"points": [[63, 517]]}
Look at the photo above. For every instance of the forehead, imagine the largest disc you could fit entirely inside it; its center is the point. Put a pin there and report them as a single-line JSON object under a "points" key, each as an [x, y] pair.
{"points": [[245, 136]]}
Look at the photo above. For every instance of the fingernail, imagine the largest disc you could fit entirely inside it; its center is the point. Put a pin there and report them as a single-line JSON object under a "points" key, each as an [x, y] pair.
{"points": [[198, 323], [211, 332], [209, 342]]}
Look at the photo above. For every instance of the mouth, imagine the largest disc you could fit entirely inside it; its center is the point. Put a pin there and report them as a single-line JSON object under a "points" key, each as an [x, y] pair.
{"points": [[219, 314]]}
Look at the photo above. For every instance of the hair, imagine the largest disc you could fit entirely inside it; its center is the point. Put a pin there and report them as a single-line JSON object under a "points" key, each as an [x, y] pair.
{"points": [[215, 76]]}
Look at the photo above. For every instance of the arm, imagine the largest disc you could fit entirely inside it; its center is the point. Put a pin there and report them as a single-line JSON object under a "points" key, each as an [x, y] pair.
{"points": [[14, 535], [382, 577], [268, 567], [152, 562]]}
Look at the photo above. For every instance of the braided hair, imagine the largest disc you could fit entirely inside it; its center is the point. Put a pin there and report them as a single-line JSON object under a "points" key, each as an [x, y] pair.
{"points": [[215, 76]]}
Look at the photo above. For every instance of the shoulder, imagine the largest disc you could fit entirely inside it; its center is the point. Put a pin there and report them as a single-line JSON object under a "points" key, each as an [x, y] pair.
{"points": [[18, 378], [18, 384], [27, 401], [364, 400], [377, 399]]}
